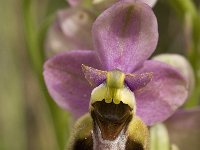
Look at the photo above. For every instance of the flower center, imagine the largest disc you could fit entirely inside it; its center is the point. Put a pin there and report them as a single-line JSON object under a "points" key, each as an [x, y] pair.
{"points": [[112, 105], [114, 90]]}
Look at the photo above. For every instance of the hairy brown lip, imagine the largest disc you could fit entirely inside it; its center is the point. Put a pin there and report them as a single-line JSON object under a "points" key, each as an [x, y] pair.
{"points": [[111, 118]]}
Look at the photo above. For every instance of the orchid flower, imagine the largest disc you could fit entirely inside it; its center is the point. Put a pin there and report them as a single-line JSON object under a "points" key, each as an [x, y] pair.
{"points": [[124, 91]]}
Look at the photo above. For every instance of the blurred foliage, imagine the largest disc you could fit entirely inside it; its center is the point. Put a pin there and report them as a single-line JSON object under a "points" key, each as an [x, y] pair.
{"points": [[29, 118]]}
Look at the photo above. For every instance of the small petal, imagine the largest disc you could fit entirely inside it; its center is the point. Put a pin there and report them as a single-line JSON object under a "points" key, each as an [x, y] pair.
{"points": [[138, 81], [69, 31], [163, 95], [134, 81], [65, 80], [94, 76], [183, 128], [125, 35]]}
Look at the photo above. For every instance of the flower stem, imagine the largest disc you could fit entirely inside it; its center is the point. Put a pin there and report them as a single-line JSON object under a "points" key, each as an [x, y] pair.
{"points": [[36, 55]]}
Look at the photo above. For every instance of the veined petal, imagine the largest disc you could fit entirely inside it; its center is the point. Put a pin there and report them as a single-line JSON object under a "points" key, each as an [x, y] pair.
{"points": [[163, 95], [181, 64], [125, 35], [183, 129], [65, 80]]}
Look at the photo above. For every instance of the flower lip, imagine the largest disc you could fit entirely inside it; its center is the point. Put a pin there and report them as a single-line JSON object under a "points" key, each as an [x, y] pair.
{"points": [[103, 92], [114, 89], [111, 118]]}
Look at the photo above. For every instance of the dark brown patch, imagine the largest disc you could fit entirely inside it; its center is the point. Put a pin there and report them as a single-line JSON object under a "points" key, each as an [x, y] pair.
{"points": [[111, 118], [83, 144], [132, 145], [127, 19]]}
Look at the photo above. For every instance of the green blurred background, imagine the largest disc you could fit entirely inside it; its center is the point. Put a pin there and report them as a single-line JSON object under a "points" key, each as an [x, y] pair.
{"points": [[29, 119], [26, 121]]}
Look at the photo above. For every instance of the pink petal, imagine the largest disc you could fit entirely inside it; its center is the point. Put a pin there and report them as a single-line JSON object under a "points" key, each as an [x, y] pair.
{"points": [[125, 35], [137, 81], [163, 95], [65, 80], [181, 64], [94, 76], [183, 129]]}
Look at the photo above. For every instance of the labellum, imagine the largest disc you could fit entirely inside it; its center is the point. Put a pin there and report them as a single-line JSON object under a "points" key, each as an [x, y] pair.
{"points": [[112, 123]]}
